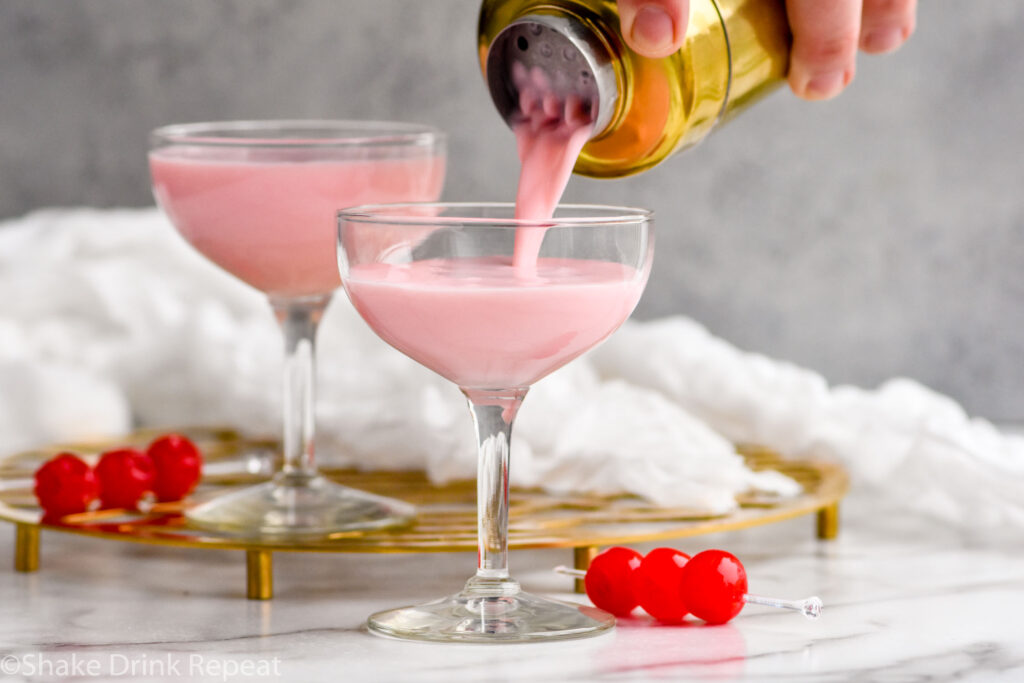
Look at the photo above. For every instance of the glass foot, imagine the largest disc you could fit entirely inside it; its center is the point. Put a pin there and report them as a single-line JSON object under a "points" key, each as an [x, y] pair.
{"points": [[480, 614], [298, 507]]}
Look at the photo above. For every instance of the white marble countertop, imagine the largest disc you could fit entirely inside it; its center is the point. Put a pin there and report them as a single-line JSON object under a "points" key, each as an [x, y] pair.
{"points": [[906, 600]]}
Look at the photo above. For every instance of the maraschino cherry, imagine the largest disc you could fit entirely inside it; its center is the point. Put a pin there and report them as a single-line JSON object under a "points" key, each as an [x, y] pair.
{"points": [[125, 476], [658, 585], [178, 466], [713, 585], [65, 485], [610, 580]]}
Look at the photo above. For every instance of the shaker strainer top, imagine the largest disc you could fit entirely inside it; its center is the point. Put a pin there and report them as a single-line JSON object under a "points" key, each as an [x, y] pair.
{"points": [[559, 56]]}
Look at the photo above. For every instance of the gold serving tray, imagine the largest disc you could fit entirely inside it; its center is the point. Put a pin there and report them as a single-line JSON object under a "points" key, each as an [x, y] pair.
{"points": [[446, 520]]}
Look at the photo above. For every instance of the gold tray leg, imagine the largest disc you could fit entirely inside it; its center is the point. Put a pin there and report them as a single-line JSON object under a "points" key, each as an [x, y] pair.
{"points": [[581, 558], [26, 547], [828, 522], [259, 574]]}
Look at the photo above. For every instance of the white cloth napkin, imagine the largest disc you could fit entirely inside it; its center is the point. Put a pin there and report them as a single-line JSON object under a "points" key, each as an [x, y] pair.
{"points": [[108, 319]]}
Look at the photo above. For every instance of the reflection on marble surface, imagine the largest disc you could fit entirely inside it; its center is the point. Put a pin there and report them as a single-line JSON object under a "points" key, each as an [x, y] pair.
{"points": [[905, 600]]}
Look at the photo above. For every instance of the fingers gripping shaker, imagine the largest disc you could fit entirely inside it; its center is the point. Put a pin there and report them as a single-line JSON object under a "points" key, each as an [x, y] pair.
{"points": [[643, 109]]}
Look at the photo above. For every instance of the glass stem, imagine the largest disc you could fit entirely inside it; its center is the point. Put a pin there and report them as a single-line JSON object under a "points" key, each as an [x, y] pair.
{"points": [[493, 415], [299, 319]]}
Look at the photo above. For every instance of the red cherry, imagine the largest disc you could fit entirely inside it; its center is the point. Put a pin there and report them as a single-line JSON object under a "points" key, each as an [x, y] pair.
{"points": [[179, 466], [610, 580], [125, 476], [65, 485], [714, 583], [659, 585]]}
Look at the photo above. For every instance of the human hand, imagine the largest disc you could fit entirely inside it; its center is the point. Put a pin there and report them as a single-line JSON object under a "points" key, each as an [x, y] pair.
{"points": [[826, 35]]}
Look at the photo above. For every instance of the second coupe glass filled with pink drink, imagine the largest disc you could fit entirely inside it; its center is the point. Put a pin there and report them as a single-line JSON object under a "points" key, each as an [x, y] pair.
{"points": [[259, 199], [493, 303]]}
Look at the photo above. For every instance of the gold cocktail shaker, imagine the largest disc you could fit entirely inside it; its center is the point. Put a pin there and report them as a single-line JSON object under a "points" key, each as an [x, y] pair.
{"points": [[643, 109]]}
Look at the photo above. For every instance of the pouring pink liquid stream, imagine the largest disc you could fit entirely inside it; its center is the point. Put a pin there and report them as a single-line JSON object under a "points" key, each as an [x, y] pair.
{"points": [[506, 322], [549, 136]]}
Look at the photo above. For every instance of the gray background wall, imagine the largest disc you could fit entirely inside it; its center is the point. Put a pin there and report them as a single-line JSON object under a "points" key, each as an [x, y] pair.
{"points": [[878, 234]]}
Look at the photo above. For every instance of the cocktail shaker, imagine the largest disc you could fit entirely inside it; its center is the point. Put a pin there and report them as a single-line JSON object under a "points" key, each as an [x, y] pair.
{"points": [[643, 110]]}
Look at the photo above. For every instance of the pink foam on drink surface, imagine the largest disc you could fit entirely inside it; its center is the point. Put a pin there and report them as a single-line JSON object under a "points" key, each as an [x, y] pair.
{"points": [[478, 323], [272, 223]]}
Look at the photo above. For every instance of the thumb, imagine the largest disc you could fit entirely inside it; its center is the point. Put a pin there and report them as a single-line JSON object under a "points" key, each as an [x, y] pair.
{"points": [[654, 28]]}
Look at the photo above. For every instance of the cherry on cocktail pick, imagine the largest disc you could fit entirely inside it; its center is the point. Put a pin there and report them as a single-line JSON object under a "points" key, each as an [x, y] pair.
{"points": [[65, 485], [658, 586], [179, 466], [610, 580], [712, 585], [125, 475]]}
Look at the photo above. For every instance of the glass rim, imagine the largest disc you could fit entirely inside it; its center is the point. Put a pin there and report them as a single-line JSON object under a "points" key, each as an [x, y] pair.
{"points": [[356, 133], [372, 214]]}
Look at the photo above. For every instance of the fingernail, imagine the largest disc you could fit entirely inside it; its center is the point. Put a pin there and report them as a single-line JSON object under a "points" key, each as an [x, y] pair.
{"points": [[652, 29], [827, 84], [883, 39]]}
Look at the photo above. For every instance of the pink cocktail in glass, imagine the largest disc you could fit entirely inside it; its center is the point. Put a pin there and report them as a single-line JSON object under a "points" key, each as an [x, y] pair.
{"points": [[439, 282], [259, 199]]}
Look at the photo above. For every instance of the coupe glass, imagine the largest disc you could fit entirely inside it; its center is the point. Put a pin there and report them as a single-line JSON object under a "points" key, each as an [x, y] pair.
{"points": [[493, 304], [259, 199]]}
